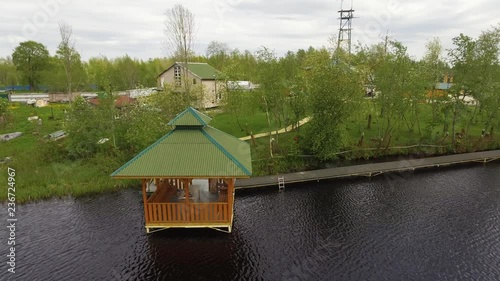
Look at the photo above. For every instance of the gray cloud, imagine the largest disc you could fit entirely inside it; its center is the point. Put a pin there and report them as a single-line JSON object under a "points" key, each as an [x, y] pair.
{"points": [[115, 28], [288, 7]]}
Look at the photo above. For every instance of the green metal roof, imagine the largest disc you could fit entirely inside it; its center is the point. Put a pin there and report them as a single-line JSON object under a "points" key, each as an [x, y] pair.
{"points": [[202, 70], [190, 117], [196, 151]]}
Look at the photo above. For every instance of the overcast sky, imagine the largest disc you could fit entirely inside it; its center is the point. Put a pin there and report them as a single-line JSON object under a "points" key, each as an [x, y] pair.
{"points": [[114, 28]]}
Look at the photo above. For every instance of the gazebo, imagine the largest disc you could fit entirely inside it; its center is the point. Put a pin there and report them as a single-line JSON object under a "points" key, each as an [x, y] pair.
{"points": [[188, 175]]}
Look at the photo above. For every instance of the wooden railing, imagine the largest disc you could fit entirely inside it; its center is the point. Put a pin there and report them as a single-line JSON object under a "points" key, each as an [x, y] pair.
{"points": [[187, 213]]}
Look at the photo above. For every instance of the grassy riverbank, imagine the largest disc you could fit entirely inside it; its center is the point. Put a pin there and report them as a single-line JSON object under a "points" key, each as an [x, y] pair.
{"points": [[43, 169]]}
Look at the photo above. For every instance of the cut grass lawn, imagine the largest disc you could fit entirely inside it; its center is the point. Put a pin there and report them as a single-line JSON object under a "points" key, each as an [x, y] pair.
{"points": [[255, 123]]}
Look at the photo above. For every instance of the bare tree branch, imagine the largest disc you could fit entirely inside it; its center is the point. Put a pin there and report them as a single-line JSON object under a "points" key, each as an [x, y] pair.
{"points": [[67, 54], [180, 31]]}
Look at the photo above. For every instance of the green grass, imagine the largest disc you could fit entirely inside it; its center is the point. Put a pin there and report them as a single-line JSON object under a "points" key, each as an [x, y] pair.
{"points": [[32, 132], [41, 168], [287, 155], [400, 134], [255, 123], [76, 178]]}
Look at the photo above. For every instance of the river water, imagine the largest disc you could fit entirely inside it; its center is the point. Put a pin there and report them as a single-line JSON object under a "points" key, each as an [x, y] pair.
{"points": [[430, 225]]}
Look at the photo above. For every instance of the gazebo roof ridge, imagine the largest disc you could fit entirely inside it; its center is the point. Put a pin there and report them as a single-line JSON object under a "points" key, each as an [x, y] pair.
{"points": [[190, 117], [227, 153]]}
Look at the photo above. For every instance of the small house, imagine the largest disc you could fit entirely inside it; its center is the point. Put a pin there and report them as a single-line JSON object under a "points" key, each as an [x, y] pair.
{"points": [[197, 74]]}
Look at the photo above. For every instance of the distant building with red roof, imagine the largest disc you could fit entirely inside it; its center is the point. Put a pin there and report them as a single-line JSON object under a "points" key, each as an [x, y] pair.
{"points": [[120, 101]]}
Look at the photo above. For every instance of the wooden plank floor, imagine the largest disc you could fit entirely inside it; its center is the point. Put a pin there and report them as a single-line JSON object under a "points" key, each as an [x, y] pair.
{"points": [[370, 169]]}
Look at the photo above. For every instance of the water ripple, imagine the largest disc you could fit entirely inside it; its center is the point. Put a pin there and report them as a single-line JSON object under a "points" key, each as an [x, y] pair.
{"points": [[433, 225]]}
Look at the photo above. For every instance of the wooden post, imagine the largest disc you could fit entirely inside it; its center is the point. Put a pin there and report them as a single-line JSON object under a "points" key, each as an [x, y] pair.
{"points": [[230, 198], [187, 209], [186, 189], [145, 200]]}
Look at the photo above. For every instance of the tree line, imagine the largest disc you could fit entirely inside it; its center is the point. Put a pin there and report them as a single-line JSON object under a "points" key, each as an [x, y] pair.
{"points": [[31, 64]]}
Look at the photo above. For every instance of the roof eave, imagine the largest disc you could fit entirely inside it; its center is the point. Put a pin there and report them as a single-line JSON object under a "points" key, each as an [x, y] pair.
{"points": [[194, 74], [166, 70], [180, 177]]}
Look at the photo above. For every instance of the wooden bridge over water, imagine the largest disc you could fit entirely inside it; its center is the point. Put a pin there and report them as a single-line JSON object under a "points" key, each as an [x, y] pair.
{"points": [[370, 170]]}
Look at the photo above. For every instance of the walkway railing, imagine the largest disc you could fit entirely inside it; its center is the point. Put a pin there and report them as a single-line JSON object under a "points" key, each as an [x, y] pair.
{"points": [[187, 213], [372, 169]]}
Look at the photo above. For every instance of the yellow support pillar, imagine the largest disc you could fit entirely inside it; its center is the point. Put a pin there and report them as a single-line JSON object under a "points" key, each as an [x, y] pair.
{"points": [[145, 202], [230, 201]]}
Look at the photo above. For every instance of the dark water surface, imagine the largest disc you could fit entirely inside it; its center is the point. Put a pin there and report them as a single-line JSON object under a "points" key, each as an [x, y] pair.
{"points": [[432, 225]]}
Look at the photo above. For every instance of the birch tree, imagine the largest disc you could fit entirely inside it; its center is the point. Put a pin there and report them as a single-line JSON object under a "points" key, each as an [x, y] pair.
{"points": [[335, 97], [463, 59], [392, 80], [180, 33], [68, 56], [272, 89], [488, 78], [476, 68], [434, 67]]}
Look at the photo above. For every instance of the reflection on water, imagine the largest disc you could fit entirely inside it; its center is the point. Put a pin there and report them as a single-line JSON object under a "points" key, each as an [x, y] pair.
{"points": [[433, 225]]}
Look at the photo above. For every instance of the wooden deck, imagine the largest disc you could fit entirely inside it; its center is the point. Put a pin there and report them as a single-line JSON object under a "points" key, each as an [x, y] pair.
{"points": [[370, 169], [186, 213], [182, 215]]}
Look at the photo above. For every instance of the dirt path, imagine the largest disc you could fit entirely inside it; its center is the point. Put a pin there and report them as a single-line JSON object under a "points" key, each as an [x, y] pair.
{"points": [[280, 131]]}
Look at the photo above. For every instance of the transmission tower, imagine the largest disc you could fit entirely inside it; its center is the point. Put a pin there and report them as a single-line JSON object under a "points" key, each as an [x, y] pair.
{"points": [[346, 17]]}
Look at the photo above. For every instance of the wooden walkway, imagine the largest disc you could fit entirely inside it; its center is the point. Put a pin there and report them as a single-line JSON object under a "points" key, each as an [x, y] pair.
{"points": [[370, 169]]}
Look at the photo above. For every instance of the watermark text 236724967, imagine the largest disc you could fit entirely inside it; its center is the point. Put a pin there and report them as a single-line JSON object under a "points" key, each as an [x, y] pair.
{"points": [[11, 220]]}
